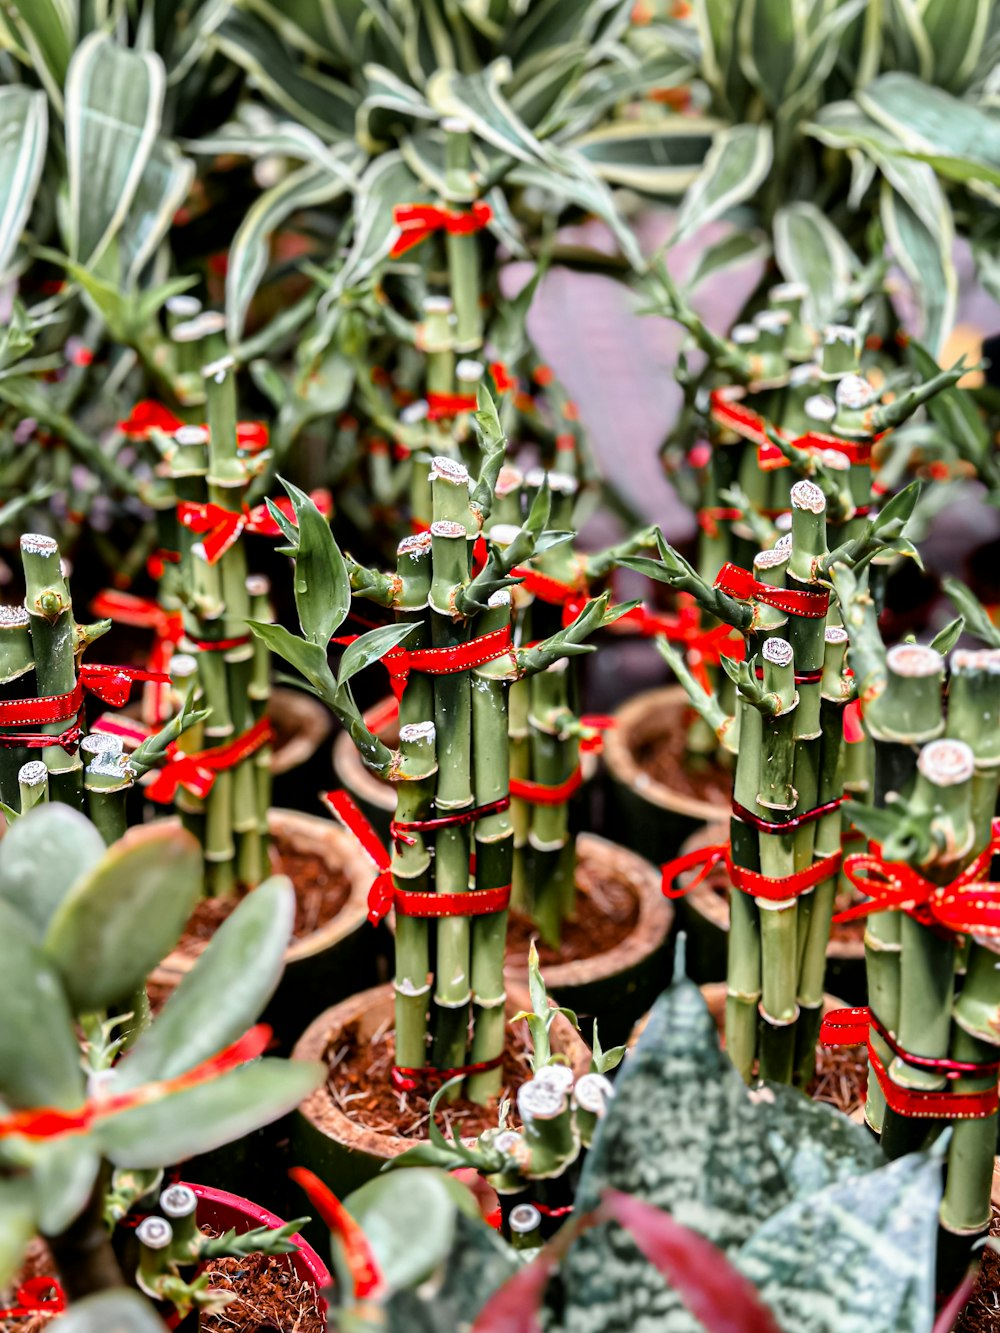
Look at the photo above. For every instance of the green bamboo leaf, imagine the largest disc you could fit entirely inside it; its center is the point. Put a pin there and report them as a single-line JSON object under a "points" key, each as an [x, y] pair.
{"points": [[924, 255], [114, 102], [49, 30], [809, 249], [320, 102], [733, 251], [661, 159], [111, 1312], [45, 1070], [24, 120], [125, 915], [250, 248], [973, 612], [737, 164], [207, 1115], [17, 1224], [321, 583], [221, 997], [162, 188], [369, 648], [41, 858], [306, 657]]}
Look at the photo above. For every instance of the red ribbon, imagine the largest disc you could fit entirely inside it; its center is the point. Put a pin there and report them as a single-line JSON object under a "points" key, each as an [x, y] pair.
{"points": [[168, 629], [384, 893], [788, 825], [418, 221], [399, 662], [728, 411], [148, 416], [742, 585], [219, 528], [502, 377], [158, 559], [130, 732], [407, 1079], [851, 1027], [110, 684], [710, 516], [38, 1295], [441, 406], [197, 772], [967, 906], [771, 889], [537, 793], [402, 829]]}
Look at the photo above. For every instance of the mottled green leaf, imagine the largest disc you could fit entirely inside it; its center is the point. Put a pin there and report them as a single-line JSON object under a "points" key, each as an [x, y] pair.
{"points": [[478, 1264], [114, 101], [809, 249], [737, 164], [42, 856], [124, 915], [24, 119], [223, 994]]}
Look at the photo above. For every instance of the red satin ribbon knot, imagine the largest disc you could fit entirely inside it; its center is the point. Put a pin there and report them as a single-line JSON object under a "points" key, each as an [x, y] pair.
{"points": [[502, 377], [709, 517], [406, 1079], [742, 585], [110, 684], [168, 629], [148, 416], [399, 662], [442, 406], [728, 411], [197, 772], [852, 1027], [969, 905], [705, 859], [539, 793], [418, 221], [219, 528], [38, 1295]]}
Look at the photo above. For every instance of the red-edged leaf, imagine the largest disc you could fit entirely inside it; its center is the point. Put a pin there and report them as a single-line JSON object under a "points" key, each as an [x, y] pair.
{"points": [[945, 1321], [513, 1308], [361, 1262], [713, 1290]]}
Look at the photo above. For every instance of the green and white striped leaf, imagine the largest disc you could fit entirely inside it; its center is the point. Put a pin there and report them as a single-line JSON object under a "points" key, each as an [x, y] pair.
{"points": [[576, 183], [955, 33], [733, 251], [263, 136], [389, 102], [662, 159], [736, 165], [911, 44], [844, 125], [24, 124], [545, 25], [809, 249], [248, 255], [589, 98], [48, 29], [114, 101], [819, 54], [431, 40], [921, 236], [771, 36], [309, 25], [163, 187], [477, 99], [322, 103]]}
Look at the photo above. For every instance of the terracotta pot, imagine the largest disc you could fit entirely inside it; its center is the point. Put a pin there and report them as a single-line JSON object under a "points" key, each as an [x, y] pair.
{"points": [[704, 914], [223, 1211], [377, 798], [343, 1153], [331, 962], [617, 986], [645, 814], [301, 722]]}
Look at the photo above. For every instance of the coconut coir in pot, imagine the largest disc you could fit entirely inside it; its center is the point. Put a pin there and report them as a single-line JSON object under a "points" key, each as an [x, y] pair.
{"points": [[664, 757], [606, 911]]}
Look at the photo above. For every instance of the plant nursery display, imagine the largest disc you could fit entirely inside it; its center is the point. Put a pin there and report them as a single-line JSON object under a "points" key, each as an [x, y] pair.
{"points": [[582, 414]]}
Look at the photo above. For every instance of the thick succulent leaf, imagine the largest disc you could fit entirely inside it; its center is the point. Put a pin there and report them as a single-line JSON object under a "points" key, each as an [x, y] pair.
{"points": [[39, 1057], [162, 189], [809, 249], [859, 1257], [48, 29], [248, 254], [733, 251], [114, 101], [111, 1312], [478, 1264], [63, 1174], [42, 856], [661, 159], [477, 99], [17, 1224], [736, 165], [208, 1115], [24, 125], [125, 915], [324, 104], [223, 994], [924, 251]]}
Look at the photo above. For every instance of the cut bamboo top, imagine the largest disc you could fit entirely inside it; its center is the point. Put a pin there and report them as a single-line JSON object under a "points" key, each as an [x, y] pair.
{"points": [[807, 495], [913, 660], [947, 763]]}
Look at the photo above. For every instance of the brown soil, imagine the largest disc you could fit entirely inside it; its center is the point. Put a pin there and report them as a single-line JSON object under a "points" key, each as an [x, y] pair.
{"points": [[359, 1087], [982, 1311], [270, 1297], [606, 910], [665, 759], [841, 1077]]}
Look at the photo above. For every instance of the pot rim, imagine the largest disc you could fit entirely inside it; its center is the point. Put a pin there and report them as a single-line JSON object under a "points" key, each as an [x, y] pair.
{"points": [[311, 722]]}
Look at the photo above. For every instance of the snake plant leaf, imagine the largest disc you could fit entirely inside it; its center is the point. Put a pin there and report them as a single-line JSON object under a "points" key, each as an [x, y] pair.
{"points": [[162, 188], [409, 1219], [207, 1115], [223, 994], [477, 99], [323, 104], [733, 251], [737, 163], [860, 1255], [42, 856], [248, 255], [809, 249], [24, 121], [114, 103], [662, 159], [63, 1173], [44, 1071], [924, 252], [48, 29], [17, 1224], [111, 1312], [124, 915]]}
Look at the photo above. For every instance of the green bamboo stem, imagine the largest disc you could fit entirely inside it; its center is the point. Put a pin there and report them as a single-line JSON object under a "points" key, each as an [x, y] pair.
{"points": [[463, 250], [554, 757], [412, 869], [259, 695], [16, 664]]}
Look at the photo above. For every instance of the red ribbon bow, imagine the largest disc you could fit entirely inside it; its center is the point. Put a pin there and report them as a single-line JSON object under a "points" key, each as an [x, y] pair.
{"points": [[728, 411], [110, 684], [418, 221], [197, 772], [967, 906], [741, 584], [38, 1295], [442, 406], [219, 527], [148, 416]]}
